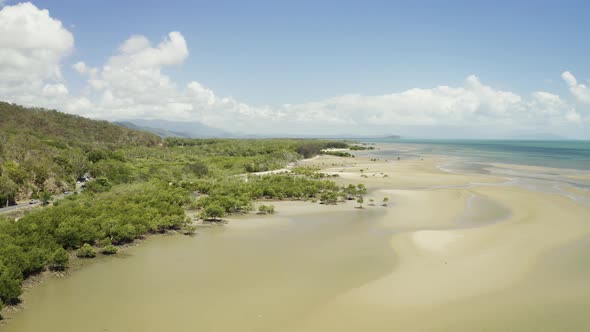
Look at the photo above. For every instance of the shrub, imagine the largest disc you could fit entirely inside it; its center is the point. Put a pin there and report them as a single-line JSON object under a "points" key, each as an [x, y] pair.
{"points": [[10, 289], [266, 209], [213, 212], [360, 201], [105, 242], [86, 251], [109, 250], [329, 198], [198, 168], [190, 229], [99, 185], [59, 260]]}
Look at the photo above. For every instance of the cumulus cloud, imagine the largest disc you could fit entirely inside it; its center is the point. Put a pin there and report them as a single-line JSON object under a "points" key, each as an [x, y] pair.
{"points": [[137, 52], [580, 91], [472, 104], [54, 90], [132, 83], [32, 43], [32, 46]]}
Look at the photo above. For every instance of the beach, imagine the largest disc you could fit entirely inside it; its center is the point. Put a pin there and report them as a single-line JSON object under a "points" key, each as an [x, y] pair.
{"points": [[293, 166], [446, 251], [443, 265]]}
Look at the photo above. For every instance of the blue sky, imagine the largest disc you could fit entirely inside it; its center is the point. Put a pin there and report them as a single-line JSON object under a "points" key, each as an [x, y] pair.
{"points": [[286, 52], [267, 54]]}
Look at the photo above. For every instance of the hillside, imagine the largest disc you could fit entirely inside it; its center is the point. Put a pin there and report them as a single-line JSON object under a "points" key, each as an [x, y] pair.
{"points": [[48, 150]]}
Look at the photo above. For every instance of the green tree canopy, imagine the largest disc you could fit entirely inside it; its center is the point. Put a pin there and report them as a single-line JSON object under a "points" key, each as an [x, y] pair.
{"points": [[59, 260]]}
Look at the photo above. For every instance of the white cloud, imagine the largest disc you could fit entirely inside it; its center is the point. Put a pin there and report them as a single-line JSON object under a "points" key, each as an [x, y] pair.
{"points": [[580, 91], [32, 46], [138, 53], [132, 83], [54, 90], [569, 78], [32, 43], [471, 104]]}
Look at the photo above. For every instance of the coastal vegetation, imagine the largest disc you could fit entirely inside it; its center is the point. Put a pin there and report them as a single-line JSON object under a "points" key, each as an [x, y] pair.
{"points": [[266, 209], [59, 260], [355, 147], [86, 251], [109, 249], [139, 184], [338, 153], [79, 222]]}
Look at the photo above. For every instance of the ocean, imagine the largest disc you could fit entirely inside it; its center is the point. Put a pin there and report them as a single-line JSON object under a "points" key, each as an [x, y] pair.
{"points": [[554, 154], [561, 167]]}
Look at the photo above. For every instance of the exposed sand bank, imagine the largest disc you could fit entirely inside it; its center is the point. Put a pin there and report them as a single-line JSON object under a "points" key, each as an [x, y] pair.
{"points": [[285, 211], [436, 241], [405, 173], [439, 259], [446, 266], [448, 252]]}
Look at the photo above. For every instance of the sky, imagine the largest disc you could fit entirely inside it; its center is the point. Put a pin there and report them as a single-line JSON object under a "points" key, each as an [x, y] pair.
{"points": [[431, 69]]}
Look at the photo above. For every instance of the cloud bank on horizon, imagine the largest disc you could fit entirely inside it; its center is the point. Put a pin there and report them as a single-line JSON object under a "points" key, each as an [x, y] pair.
{"points": [[132, 84]]}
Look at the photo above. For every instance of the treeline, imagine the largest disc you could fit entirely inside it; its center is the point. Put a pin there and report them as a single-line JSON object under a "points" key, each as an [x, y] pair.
{"points": [[338, 153], [47, 151], [361, 147], [314, 148], [234, 195], [182, 159], [40, 239]]}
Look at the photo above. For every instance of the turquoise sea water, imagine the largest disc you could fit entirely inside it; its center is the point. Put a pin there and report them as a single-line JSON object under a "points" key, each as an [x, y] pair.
{"points": [[567, 163], [555, 154]]}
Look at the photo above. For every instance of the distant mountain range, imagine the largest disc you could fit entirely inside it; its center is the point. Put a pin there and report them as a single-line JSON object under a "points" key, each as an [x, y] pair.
{"points": [[195, 129], [165, 128]]}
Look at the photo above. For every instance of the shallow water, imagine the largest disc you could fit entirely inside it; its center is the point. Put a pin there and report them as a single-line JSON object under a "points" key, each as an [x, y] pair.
{"points": [[559, 154], [554, 162], [309, 272], [273, 278], [224, 279]]}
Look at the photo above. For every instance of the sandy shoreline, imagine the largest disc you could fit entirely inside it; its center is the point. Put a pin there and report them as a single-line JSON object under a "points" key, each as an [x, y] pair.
{"points": [[424, 205], [464, 249], [440, 262]]}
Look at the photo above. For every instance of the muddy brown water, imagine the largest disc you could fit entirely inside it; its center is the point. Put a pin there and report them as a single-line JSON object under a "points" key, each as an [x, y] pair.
{"points": [[271, 278], [224, 279]]}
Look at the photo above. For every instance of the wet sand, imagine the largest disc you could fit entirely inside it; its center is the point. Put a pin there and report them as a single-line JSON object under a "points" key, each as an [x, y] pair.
{"points": [[449, 252], [450, 277]]}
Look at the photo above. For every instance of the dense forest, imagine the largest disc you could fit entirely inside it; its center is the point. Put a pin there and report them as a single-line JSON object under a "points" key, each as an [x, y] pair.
{"points": [[140, 184]]}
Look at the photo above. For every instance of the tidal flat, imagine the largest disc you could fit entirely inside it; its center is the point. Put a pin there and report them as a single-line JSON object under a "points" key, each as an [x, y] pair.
{"points": [[449, 251]]}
